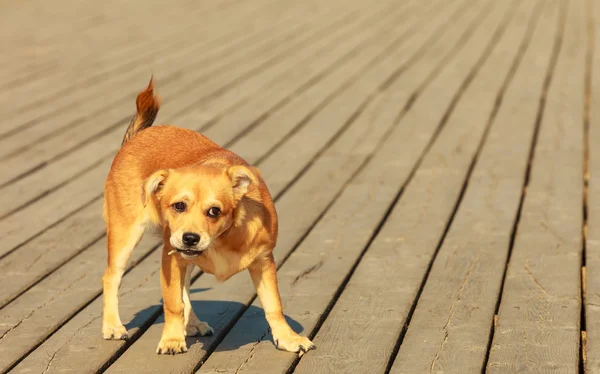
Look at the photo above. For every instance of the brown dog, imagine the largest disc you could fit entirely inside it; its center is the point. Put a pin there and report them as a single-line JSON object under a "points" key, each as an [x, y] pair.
{"points": [[215, 212]]}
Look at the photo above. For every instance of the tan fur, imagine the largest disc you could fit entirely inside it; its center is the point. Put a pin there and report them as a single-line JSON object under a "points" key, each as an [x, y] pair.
{"points": [[156, 172]]}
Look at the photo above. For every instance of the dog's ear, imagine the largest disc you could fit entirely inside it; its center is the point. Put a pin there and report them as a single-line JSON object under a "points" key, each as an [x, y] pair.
{"points": [[241, 178], [153, 184]]}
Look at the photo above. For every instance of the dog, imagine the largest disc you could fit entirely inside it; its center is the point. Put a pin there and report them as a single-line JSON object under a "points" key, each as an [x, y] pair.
{"points": [[215, 212]]}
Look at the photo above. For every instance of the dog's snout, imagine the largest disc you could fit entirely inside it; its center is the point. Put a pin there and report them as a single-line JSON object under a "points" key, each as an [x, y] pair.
{"points": [[190, 239]]}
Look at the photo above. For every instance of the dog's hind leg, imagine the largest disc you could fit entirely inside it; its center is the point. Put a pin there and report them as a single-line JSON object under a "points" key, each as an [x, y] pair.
{"points": [[122, 239], [193, 325]]}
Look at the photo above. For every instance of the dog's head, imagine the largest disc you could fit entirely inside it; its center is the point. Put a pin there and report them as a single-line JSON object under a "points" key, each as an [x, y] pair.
{"points": [[196, 203]]}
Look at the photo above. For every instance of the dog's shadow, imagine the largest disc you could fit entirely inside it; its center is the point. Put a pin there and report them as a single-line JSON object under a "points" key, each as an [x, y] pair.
{"points": [[250, 323]]}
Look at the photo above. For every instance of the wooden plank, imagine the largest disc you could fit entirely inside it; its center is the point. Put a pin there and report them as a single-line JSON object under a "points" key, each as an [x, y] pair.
{"points": [[403, 249], [372, 126], [46, 180], [592, 257], [112, 57], [449, 332], [12, 272], [539, 317], [45, 259], [64, 29], [48, 96], [50, 149], [49, 250], [142, 280], [256, 366], [60, 169], [11, 351], [63, 26], [260, 56], [317, 84], [56, 112], [14, 227], [260, 357], [316, 127], [297, 222], [18, 79], [29, 319]]}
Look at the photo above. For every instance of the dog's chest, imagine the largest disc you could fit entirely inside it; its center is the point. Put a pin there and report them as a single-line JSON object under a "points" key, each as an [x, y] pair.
{"points": [[222, 263]]}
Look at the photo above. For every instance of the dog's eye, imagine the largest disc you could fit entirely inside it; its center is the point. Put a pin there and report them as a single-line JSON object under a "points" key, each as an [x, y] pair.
{"points": [[180, 206], [213, 212]]}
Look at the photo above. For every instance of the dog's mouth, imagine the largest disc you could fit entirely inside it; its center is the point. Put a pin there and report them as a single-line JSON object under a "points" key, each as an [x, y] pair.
{"points": [[189, 253]]}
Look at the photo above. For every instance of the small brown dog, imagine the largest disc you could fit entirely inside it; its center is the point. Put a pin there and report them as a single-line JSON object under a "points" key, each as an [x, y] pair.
{"points": [[215, 212]]}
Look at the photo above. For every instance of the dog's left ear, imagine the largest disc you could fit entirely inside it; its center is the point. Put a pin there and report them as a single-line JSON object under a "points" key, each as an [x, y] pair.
{"points": [[241, 178]]}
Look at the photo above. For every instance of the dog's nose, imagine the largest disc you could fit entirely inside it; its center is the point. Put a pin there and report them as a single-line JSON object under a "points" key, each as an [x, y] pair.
{"points": [[190, 239]]}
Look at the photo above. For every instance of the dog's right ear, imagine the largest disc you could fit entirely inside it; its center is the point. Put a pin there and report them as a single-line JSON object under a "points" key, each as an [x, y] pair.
{"points": [[153, 184]]}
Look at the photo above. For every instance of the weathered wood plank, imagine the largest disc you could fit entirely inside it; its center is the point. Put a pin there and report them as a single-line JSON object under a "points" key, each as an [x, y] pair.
{"points": [[448, 331], [198, 24], [289, 154], [67, 22], [311, 128], [142, 280], [37, 313], [297, 222], [371, 126], [538, 325], [73, 104], [56, 205], [37, 258], [11, 267], [386, 171], [258, 58], [592, 296], [47, 179], [28, 188], [318, 127], [63, 29], [371, 312], [52, 235], [313, 93]]}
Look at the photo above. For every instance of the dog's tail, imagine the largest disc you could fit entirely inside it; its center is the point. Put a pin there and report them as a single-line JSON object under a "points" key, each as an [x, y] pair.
{"points": [[147, 108]]}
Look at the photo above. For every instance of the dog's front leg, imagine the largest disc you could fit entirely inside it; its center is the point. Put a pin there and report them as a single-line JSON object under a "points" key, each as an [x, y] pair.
{"points": [[172, 278], [264, 277], [193, 326]]}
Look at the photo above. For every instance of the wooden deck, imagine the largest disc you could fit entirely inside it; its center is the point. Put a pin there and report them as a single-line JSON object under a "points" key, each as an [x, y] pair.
{"points": [[435, 166]]}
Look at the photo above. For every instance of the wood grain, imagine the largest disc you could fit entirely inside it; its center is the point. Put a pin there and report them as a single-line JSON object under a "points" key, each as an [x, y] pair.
{"points": [[243, 116], [538, 325], [396, 262], [342, 237], [395, 138], [592, 296], [299, 222]]}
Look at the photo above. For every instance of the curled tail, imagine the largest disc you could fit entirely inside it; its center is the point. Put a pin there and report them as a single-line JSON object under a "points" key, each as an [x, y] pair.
{"points": [[147, 109]]}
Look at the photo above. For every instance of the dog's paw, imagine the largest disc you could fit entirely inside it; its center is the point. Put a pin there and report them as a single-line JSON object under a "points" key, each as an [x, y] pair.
{"points": [[171, 346], [114, 332], [294, 343], [198, 328]]}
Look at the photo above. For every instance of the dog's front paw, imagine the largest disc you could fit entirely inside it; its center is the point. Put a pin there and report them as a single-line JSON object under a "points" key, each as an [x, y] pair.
{"points": [[117, 332], [168, 346], [294, 343], [198, 328]]}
